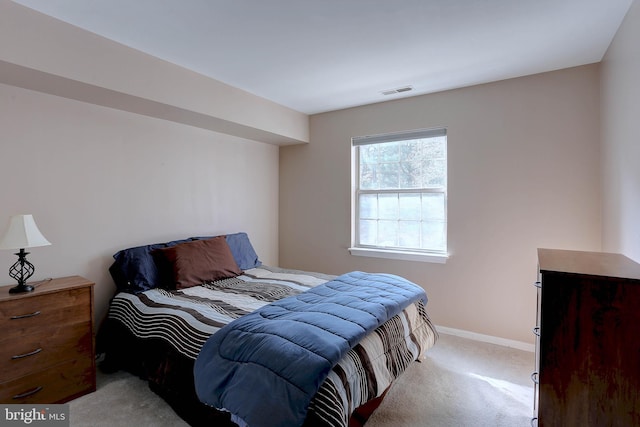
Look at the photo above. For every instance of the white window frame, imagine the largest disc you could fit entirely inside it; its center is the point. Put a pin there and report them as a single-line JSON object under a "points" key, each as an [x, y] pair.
{"points": [[358, 249]]}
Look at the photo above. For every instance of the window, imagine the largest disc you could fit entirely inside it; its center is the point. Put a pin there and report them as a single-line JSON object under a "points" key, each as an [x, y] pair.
{"points": [[400, 195]]}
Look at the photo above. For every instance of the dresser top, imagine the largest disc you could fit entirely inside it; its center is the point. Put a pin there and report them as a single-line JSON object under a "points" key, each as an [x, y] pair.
{"points": [[590, 263], [45, 287]]}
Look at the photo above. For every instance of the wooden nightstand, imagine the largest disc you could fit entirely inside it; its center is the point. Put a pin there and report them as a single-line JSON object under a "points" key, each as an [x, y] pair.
{"points": [[47, 352]]}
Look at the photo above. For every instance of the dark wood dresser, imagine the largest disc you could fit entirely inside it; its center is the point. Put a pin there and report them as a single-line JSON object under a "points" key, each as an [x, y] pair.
{"points": [[47, 350], [588, 346]]}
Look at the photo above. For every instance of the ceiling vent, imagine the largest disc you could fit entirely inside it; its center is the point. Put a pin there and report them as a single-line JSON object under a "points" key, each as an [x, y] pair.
{"points": [[397, 90]]}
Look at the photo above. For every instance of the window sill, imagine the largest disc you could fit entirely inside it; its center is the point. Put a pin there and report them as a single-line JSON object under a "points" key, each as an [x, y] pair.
{"points": [[404, 256]]}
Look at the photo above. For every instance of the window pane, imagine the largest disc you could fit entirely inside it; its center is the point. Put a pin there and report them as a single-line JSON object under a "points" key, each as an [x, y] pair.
{"points": [[433, 235], [368, 176], [435, 172], [388, 176], [411, 150], [435, 147], [389, 152], [388, 206], [409, 234], [368, 204], [411, 164], [368, 232], [410, 174], [387, 233], [433, 206], [410, 206], [369, 154]]}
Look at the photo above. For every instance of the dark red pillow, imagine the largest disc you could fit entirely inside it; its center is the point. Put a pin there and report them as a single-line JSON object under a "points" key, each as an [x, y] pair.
{"points": [[201, 260]]}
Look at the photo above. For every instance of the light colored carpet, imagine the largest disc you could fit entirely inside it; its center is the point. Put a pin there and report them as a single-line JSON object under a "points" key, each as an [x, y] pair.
{"points": [[460, 383]]}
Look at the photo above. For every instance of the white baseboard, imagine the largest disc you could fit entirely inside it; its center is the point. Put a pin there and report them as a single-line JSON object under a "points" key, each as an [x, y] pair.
{"points": [[520, 345]]}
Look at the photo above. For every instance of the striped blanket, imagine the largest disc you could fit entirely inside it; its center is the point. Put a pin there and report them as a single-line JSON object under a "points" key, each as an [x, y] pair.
{"points": [[187, 318]]}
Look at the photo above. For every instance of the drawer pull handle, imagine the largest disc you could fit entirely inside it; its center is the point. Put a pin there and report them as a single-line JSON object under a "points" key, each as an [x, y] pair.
{"points": [[534, 377], [27, 393], [31, 353], [23, 316], [537, 284], [536, 331]]}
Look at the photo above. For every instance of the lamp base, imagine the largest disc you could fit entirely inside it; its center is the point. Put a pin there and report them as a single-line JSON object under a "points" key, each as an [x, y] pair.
{"points": [[21, 271], [20, 289]]}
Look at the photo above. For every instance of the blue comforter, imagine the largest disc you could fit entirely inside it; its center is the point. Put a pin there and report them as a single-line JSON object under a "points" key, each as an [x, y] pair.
{"points": [[266, 367]]}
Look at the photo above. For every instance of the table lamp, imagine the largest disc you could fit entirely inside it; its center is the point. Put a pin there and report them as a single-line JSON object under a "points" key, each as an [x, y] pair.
{"points": [[22, 233]]}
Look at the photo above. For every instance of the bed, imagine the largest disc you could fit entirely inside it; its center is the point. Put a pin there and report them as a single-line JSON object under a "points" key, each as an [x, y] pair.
{"points": [[175, 297]]}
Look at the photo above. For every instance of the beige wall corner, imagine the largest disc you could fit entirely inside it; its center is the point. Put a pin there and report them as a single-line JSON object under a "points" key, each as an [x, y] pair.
{"points": [[621, 139]]}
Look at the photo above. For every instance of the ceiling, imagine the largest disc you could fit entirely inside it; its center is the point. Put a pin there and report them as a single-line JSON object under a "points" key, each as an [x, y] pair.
{"points": [[321, 55]]}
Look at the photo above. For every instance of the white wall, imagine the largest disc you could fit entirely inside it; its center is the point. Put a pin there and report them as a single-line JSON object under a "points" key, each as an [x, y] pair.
{"points": [[98, 180], [524, 173], [621, 139]]}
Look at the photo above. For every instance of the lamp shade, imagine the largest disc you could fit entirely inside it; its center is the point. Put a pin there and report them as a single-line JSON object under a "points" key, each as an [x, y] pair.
{"points": [[23, 233]]}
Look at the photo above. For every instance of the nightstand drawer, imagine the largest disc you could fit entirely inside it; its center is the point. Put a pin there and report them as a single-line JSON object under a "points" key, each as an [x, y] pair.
{"points": [[47, 350], [48, 347], [69, 379], [26, 316]]}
